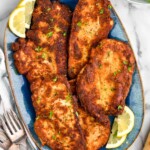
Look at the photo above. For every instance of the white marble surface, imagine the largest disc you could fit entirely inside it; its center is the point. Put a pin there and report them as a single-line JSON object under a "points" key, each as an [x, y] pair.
{"points": [[136, 20]]}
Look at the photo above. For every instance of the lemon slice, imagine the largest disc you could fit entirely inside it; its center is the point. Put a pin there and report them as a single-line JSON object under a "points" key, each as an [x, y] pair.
{"points": [[29, 7], [17, 22], [125, 122], [22, 3], [115, 141]]}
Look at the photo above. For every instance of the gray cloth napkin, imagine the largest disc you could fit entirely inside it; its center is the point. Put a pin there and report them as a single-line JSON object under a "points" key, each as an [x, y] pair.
{"points": [[5, 93]]}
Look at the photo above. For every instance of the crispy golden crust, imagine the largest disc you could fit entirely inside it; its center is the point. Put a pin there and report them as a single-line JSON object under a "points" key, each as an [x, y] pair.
{"points": [[57, 124], [91, 22], [96, 134], [104, 82], [45, 49]]}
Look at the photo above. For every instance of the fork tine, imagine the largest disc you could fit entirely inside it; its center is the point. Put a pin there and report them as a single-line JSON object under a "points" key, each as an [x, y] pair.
{"points": [[9, 123], [5, 128], [13, 122], [16, 118]]}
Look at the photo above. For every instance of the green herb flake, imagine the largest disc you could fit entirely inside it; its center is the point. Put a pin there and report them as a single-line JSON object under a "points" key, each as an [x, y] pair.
{"points": [[44, 55], [148, 1], [125, 62], [77, 114], [129, 68], [100, 66], [109, 6], [55, 79], [48, 9], [119, 107], [38, 49], [116, 72], [54, 137], [112, 89], [50, 34], [68, 97], [101, 11], [51, 114], [65, 33], [79, 24]]}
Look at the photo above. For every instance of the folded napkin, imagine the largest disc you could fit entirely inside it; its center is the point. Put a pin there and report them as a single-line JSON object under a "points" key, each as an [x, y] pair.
{"points": [[6, 95]]}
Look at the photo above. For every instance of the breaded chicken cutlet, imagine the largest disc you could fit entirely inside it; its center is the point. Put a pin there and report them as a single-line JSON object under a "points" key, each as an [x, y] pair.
{"points": [[57, 123], [45, 49], [91, 23], [95, 133], [103, 84]]}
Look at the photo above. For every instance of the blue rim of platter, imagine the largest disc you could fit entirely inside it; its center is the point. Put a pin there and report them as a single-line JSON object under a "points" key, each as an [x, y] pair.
{"points": [[124, 37]]}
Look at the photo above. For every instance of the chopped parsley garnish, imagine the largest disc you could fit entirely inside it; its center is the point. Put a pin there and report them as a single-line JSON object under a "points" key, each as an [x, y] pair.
{"points": [[112, 89], [129, 68], [50, 34], [100, 65], [116, 72], [51, 114], [44, 55], [48, 9], [79, 24], [119, 107], [68, 97], [77, 114], [65, 33], [55, 79], [109, 6], [54, 137], [125, 62], [38, 49], [101, 11]]}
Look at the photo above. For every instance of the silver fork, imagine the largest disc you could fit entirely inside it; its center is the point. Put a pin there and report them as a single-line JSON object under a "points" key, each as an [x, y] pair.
{"points": [[13, 128]]}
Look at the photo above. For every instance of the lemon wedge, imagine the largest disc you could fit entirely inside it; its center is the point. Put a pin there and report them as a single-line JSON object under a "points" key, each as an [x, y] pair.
{"points": [[17, 22], [115, 141], [125, 122], [29, 7]]}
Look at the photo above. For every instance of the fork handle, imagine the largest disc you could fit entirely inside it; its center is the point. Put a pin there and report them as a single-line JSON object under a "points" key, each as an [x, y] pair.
{"points": [[23, 144], [14, 147]]}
